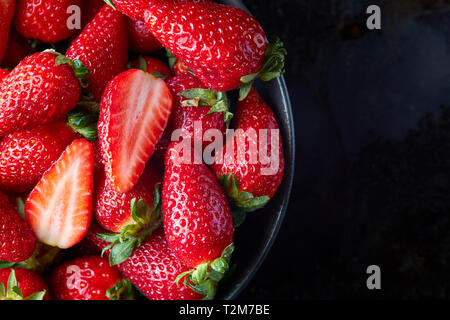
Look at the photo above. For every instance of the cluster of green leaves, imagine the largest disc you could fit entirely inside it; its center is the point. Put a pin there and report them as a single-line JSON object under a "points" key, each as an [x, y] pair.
{"points": [[14, 293], [206, 276], [146, 219]]}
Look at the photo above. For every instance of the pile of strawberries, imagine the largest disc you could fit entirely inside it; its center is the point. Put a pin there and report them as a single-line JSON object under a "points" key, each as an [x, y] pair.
{"points": [[94, 199]]}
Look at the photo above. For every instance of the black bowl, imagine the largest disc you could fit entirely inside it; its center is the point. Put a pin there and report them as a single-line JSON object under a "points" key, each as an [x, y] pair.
{"points": [[254, 238]]}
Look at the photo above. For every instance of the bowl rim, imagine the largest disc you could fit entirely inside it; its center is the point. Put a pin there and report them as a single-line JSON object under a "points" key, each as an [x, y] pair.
{"points": [[288, 180]]}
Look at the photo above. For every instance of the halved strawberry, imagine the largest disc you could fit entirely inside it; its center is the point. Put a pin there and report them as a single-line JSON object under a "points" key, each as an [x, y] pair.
{"points": [[134, 112], [59, 209]]}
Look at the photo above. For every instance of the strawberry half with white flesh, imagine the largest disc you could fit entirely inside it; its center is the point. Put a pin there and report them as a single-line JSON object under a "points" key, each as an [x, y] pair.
{"points": [[134, 112], [59, 209]]}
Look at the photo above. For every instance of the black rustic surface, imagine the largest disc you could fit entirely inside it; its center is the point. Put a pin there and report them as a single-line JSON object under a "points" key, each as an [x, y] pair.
{"points": [[372, 179]]}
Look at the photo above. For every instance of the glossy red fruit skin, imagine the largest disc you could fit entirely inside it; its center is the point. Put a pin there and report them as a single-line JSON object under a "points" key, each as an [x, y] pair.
{"points": [[184, 117], [26, 155], [153, 65], [112, 208], [98, 165], [6, 16], [153, 268], [140, 39], [197, 218], [254, 113], [132, 8], [17, 241], [44, 20], [37, 92], [84, 278], [17, 49], [103, 48], [28, 281], [3, 74], [232, 42], [179, 68]]}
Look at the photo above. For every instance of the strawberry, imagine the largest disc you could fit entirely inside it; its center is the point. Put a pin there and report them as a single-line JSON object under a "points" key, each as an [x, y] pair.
{"points": [[26, 155], [132, 215], [103, 48], [17, 241], [223, 45], [59, 209], [134, 112], [22, 284], [87, 278], [136, 9], [3, 74], [131, 8], [185, 112], [42, 88], [152, 65], [179, 67], [153, 268], [245, 182], [98, 165], [197, 219], [6, 16], [140, 38], [44, 20], [17, 49]]}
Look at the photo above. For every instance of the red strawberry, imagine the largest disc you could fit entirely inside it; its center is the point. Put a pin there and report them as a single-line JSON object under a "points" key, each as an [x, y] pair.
{"points": [[134, 112], [59, 209], [140, 38], [179, 67], [22, 284], [153, 269], [44, 20], [6, 16], [152, 65], [131, 8], [197, 219], [113, 209], [98, 165], [27, 154], [3, 74], [132, 215], [135, 9], [103, 48], [37, 91], [17, 241], [223, 45], [87, 278], [18, 48], [245, 181], [185, 113]]}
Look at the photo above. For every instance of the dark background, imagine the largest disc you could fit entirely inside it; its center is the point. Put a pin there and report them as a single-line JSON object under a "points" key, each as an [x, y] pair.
{"points": [[372, 121]]}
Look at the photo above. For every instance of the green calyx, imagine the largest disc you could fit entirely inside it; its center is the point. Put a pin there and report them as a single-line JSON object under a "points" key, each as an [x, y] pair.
{"points": [[272, 67], [109, 3], [171, 58], [205, 277], [241, 199], [207, 97], [84, 121], [14, 293], [146, 219], [122, 290], [78, 67]]}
